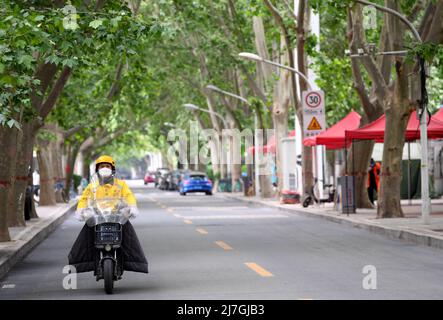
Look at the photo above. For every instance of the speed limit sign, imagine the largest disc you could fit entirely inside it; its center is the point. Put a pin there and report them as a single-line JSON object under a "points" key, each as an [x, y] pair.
{"points": [[314, 121], [313, 99]]}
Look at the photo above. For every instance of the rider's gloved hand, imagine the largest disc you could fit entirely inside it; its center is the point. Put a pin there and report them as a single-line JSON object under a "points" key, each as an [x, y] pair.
{"points": [[83, 214], [133, 212], [79, 214]]}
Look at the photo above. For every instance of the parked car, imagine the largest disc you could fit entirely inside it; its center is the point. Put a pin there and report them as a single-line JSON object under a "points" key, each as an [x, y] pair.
{"points": [[149, 178], [195, 182]]}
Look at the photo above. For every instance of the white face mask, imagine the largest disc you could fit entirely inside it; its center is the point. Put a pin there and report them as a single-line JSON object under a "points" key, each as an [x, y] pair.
{"points": [[105, 172]]}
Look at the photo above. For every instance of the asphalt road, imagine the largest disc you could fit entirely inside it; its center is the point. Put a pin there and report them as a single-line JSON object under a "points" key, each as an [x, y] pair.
{"points": [[209, 247]]}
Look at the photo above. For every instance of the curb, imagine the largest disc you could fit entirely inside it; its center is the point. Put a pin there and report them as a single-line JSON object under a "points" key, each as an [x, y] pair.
{"points": [[392, 233], [30, 240]]}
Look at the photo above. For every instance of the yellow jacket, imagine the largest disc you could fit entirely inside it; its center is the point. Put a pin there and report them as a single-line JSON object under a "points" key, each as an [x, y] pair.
{"points": [[117, 190]]}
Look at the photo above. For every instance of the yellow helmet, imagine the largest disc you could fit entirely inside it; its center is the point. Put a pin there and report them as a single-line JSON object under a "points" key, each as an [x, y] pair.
{"points": [[105, 159]]}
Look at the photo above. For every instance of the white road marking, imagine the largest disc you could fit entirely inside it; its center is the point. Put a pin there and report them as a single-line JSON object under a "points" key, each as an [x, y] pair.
{"points": [[8, 286]]}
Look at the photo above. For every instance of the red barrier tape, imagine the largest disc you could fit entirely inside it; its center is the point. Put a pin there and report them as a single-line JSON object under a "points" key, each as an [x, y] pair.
{"points": [[22, 178], [5, 183]]}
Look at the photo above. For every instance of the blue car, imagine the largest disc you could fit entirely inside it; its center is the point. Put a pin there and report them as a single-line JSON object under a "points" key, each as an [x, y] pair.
{"points": [[195, 182]]}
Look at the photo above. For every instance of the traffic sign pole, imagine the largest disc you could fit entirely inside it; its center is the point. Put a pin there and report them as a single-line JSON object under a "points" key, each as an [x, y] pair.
{"points": [[314, 123]]}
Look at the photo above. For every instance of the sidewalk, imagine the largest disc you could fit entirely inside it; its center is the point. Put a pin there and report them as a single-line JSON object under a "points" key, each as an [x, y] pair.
{"points": [[410, 228], [24, 239]]}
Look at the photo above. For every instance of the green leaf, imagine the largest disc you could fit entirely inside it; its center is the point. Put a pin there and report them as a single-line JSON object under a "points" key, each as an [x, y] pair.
{"points": [[20, 44], [12, 123], [69, 62], [114, 21], [39, 18], [6, 79], [96, 23], [26, 60]]}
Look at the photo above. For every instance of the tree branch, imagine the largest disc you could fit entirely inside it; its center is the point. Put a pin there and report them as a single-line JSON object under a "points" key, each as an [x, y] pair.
{"points": [[420, 5], [99, 4], [253, 85], [115, 87], [384, 62], [426, 20], [379, 84], [279, 20], [45, 73], [47, 106], [435, 33], [199, 119], [372, 111], [292, 13], [70, 132], [230, 112], [86, 145], [301, 35]]}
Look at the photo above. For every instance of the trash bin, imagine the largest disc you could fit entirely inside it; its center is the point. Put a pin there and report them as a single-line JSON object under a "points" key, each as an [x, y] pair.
{"points": [[289, 197], [347, 194]]}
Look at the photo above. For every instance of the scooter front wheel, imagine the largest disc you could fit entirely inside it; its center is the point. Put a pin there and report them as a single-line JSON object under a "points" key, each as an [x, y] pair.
{"points": [[108, 275]]}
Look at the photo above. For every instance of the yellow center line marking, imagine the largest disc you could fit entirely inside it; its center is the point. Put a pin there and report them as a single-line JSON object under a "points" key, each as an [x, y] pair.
{"points": [[223, 245], [170, 210], [202, 231], [261, 271], [188, 221]]}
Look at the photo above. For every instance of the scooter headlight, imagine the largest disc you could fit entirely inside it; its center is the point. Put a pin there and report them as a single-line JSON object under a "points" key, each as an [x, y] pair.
{"points": [[108, 247]]}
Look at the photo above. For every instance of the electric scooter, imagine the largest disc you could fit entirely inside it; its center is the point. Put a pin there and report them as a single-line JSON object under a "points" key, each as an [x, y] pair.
{"points": [[313, 196]]}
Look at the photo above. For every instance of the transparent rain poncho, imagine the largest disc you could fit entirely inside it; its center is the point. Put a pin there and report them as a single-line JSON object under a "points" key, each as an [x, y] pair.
{"points": [[106, 205]]}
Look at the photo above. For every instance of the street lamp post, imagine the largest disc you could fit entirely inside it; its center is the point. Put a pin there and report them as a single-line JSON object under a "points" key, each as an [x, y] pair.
{"points": [[254, 57], [256, 164], [194, 107], [426, 205]]}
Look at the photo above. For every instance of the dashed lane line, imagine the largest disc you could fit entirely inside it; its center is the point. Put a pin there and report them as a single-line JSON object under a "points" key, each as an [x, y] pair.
{"points": [[202, 231], [260, 270], [223, 245]]}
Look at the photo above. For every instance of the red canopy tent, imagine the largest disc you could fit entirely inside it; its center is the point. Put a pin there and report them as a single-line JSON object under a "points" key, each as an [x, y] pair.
{"points": [[334, 137], [439, 114], [270, 146], [376, 130]]}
